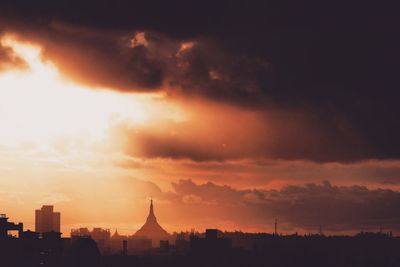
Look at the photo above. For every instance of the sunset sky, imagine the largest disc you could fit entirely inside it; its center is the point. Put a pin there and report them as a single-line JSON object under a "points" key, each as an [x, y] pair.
{"points": [[227, 114]]}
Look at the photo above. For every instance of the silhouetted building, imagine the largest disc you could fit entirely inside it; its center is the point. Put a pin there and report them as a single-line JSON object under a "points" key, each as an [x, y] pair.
{"points": [[151, 229], [117, 242], [129, 245], [99, 235], [83, 252], [138, 245], [211, 233], [211, 244], [6, 226], [29, 235], [46, 220], [164, 246], [124, 247], [52, 246], [117, 236], [80, 232], [181, 244]]}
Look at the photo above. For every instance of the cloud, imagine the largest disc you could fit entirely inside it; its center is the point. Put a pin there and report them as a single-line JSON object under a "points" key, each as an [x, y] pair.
{"points": [[275, 174], [143, 61], [303, 207], [217, 132], [205, 69], [339, 72], [9, 60], [337, 208], [105, 59]]}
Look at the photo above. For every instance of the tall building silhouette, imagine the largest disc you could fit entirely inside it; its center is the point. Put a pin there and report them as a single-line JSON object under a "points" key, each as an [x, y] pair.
{"points": [[151, 229], [46, 220]]}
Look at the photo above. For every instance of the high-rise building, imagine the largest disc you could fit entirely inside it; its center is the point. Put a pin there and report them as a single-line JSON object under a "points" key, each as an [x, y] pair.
{"points": [[46, 220]]}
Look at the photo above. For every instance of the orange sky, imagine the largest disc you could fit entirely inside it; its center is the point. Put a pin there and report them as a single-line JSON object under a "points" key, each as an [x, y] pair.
{"points": [[99, 154]]}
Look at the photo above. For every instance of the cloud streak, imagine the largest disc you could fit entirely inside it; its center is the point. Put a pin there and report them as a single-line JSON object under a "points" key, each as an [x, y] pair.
{"points": [[337, 208], [216, 132]]}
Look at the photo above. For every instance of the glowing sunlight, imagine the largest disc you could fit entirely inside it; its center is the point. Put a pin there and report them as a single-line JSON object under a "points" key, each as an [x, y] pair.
{"points": [[38, 105]]}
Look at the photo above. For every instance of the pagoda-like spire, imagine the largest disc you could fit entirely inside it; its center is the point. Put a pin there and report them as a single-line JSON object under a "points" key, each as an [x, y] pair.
{"points": [[151, 229], [115, 235], [151, 216]]}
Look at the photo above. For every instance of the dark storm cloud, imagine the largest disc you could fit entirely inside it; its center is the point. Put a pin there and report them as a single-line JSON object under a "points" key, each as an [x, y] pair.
{"points": [[337, 208], [101, 59], [332, 60], [146, 61]]}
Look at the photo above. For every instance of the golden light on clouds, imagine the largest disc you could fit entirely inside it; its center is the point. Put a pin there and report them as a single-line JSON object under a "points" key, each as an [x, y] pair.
{"points": [[38, 105]]}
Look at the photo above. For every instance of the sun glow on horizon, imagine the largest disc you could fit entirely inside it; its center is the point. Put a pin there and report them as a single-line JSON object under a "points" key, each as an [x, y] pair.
{"points": [[38, 105]]}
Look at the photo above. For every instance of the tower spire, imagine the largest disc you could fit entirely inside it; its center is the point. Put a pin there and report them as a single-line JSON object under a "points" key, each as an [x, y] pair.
{"points": [[151, 229], [151, 212]]}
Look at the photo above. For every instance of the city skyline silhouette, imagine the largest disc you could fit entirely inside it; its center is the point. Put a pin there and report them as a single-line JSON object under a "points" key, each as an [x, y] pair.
{"points": [[97, 247]]}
